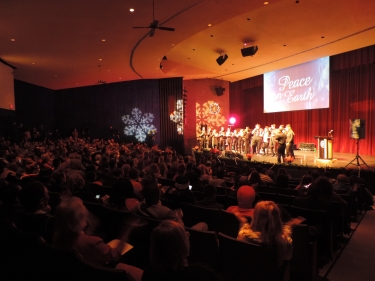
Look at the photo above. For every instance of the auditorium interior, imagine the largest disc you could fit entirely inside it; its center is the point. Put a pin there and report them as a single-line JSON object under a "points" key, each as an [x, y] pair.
{"points": [[136, 76]]}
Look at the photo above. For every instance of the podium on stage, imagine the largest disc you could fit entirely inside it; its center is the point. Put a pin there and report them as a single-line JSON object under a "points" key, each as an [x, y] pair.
{"points": [[325, 147]]}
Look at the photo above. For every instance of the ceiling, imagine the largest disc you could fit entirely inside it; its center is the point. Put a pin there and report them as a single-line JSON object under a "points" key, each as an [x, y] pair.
{"points": [[59, 44]]}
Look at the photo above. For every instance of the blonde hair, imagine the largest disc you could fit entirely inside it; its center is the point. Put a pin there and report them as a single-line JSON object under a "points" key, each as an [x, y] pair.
{"points": [[267, 221]]}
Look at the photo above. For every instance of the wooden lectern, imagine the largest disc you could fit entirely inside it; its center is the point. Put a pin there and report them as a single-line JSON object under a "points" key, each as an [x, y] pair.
{"points": [[325, 147]]}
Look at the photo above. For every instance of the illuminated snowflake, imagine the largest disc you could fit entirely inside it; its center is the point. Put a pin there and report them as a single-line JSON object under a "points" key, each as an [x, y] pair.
{"points": [[178, 117], [205, 116], [138, 124]]}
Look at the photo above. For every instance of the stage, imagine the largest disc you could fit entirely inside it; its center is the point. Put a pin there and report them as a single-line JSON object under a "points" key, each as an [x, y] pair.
{"points": [[304, 162], [310, 158]]}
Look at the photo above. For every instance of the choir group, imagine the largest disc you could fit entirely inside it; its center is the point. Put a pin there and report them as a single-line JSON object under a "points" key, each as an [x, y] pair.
{"points": [[255, 141]]}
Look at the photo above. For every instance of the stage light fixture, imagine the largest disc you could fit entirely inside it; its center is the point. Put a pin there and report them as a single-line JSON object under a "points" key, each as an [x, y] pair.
{"points": [[232, 120], [221, 59], [250, 51]]}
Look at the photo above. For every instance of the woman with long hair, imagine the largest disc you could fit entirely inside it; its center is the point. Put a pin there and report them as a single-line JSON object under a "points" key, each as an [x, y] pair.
{"points": [[267, 228]]}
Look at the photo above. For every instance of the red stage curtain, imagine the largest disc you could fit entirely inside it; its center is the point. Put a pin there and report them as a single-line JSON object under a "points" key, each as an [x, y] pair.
{"points": [[352, 95]]}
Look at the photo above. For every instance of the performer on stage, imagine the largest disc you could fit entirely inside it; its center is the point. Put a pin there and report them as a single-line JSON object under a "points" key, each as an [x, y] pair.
{"points": [[273, 140], [228, 135], [247, 136], [222, 139], [289, 140], [202, 138], [215, 140], [241, 141], [208, 138], [266, 137], [235, 140], [281, 139], [256, 140]]}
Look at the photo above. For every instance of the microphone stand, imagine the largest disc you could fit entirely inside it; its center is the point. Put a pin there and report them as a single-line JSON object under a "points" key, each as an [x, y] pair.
{"points": [[357, 158]]}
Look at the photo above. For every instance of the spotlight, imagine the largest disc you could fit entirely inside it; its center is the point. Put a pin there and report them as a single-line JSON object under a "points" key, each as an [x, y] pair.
{"points": [[232, 120], [221, 59], [250, 51]]}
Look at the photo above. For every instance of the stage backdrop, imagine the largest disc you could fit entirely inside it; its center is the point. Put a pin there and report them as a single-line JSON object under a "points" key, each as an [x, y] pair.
{"points": [[352, 96]]}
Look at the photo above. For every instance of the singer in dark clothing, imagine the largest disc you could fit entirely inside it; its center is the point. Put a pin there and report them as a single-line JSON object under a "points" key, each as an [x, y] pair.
{"points": [[281, 139], [289, 140]]}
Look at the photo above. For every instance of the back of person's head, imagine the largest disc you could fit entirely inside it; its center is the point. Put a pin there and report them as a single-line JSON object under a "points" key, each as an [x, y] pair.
{"points": [[133, 174], [149, 178], [282, 171], [209, 191], [169, 247], [34, 196], [125, 169], [341, 178], [254, 177], [242, 180], [325, 186], [151, 193], [118, 173], [305, 180], [75, 182], [271, 174], [112, 163], [314, 174], [267, 221], [154, 168], [220, 173], [246, 196], [282, 181], [259, 168], [90, 176], [71, 216], [58, 177], [181, 169]]}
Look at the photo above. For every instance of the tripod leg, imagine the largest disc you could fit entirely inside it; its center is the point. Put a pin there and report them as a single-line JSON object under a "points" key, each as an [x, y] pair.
{"points": [[363, 161]]}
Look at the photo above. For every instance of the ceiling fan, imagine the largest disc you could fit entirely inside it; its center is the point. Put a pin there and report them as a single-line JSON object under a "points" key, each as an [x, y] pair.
{"points": [[155, 23], [100, 81]]}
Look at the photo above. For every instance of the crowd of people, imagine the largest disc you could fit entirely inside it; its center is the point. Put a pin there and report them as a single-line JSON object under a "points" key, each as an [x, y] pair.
{"points": [[268, 140], [31, 171]]}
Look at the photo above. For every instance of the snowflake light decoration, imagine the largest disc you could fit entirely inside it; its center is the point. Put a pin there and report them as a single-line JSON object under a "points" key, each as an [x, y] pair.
{"points": [[205, 116], [178, 116], [138, 124], [214, 108]]}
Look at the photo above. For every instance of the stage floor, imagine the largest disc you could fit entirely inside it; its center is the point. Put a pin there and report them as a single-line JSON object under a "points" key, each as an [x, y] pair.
{"points": [[310, 158]]}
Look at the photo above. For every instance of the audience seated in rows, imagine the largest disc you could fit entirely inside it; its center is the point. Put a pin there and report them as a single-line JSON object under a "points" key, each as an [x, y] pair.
{"points": [[169, 256]]}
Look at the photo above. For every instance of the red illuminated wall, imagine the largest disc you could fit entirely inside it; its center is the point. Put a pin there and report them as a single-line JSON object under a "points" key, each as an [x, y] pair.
{"points": [[200, 94]]}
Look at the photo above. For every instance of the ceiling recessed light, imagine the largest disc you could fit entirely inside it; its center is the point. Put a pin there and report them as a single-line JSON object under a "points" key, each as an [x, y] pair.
{"points": [[100, 59], [209, 24], [248, 18], [33, 63], [193, 49], [284, 45], [322, 37], [131, 10], [211, 35], [12, 39], [103, 40], [173, 44], [265, 3]]}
